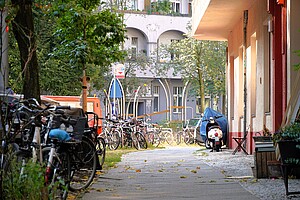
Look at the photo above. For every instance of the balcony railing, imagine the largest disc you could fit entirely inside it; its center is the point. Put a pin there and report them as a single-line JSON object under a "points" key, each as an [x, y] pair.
{"points": [[154, 13]]}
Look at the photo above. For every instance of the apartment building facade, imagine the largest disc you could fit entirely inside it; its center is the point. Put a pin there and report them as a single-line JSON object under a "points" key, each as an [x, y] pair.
{"points": [[162, 97]]}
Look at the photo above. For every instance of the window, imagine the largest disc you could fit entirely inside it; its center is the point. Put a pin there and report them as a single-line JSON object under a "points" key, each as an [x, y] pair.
{"points": [[134, 47], [156, 98], [134, 4], [177, 99], [173, 55], [190, 8], [176, 7]]}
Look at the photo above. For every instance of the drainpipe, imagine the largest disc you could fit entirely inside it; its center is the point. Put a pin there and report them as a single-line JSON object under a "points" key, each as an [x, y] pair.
{"points": [[245, 69]]}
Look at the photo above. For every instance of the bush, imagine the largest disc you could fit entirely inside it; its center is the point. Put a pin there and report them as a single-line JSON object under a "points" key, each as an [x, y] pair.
{"points": [[27, 185]]}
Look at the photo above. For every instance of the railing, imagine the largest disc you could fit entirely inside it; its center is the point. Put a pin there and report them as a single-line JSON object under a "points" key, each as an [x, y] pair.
{"points": [[154, 13]]}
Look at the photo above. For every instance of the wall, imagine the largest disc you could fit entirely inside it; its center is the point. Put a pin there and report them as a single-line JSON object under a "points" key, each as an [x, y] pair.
{"points": [[257, 17]]}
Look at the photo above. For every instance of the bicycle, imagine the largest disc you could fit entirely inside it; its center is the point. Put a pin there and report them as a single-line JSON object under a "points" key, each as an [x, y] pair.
{"points": [[152, 135], [133, 138], [22, 140], [92, 133], [187, 135], [111, 135], [165, 135], [71, 163]]}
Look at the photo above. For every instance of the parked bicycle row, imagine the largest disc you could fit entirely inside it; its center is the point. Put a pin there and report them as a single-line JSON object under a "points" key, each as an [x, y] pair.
{"points": [[56, 137], [139, 133]]}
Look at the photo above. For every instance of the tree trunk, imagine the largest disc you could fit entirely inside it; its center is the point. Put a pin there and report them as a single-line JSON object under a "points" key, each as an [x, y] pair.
{"points": [[200, 77], [23, 29]]}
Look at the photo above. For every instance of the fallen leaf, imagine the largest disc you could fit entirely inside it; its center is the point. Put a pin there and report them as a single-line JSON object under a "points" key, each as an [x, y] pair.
{"points": [[254, 181], [138, 170], [145, 160], [194, 171], [183, 176], [99, 172], [160, 170], [100, 190]]}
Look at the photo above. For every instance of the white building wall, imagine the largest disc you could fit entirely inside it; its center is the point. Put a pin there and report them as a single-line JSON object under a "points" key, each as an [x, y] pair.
{"points": [[255, 69], [155, 28], [166, 37], [154, 25], [142, 40]]}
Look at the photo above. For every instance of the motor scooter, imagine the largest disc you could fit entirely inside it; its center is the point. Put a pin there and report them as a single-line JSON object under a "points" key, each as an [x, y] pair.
{"points": [[214, 134]]}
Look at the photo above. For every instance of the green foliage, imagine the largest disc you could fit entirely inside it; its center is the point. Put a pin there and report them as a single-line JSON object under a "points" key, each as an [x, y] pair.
{"points": [[197, 61], [290, 132], [163, 7], [71, 36], [87, 36], [84, 39], [29, 185], [2, 4], [133, 64]]}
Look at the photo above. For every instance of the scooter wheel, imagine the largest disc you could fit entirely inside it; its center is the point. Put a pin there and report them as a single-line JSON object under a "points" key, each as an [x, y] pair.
{"points": [[207, 144], [218, 148]]}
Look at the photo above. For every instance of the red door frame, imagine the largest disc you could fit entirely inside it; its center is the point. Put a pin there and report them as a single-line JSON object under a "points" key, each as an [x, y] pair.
{"points": [[279, 80]]}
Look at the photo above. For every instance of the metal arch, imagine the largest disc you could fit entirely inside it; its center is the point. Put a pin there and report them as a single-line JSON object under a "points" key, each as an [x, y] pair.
{"points": [[184, 98], [134, 102], [165, 90], [170, 103]]}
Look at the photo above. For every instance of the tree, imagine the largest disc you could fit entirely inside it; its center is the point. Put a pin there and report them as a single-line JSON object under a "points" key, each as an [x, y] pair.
{"points": [[202, 63], [62, 50], [87, 38], [23, 29]]}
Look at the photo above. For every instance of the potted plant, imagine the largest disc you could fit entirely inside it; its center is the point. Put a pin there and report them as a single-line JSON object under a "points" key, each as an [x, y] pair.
{"points": [[264, 135], [287, 142]]}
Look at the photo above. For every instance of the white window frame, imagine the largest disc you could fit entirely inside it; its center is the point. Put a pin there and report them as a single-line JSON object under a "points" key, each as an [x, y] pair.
{"points": [[156, 96], [177, 98], [134, 47]]}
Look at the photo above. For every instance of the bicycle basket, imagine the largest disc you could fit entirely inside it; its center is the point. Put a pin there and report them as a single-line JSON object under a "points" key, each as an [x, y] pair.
{"points": [[79, 128]]}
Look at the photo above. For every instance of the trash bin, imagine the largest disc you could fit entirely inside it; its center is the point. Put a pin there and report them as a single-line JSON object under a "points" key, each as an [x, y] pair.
{"points": [[264, 152]]}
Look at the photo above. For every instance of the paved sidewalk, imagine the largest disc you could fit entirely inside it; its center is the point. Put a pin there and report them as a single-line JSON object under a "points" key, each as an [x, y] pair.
{"points": [[172, 173]]}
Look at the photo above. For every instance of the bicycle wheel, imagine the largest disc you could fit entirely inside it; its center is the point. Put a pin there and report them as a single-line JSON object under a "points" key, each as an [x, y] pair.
{"points": [[156, 139], [153, 138], [113, 140], [188, 137], [58, 175], [100, 148], [169, 137], [161, 135], [141, 140], [83, 164], [178, 137]]}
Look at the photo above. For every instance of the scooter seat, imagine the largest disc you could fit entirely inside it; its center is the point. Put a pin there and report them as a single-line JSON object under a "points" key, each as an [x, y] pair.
{"points": [[213, 127]]}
